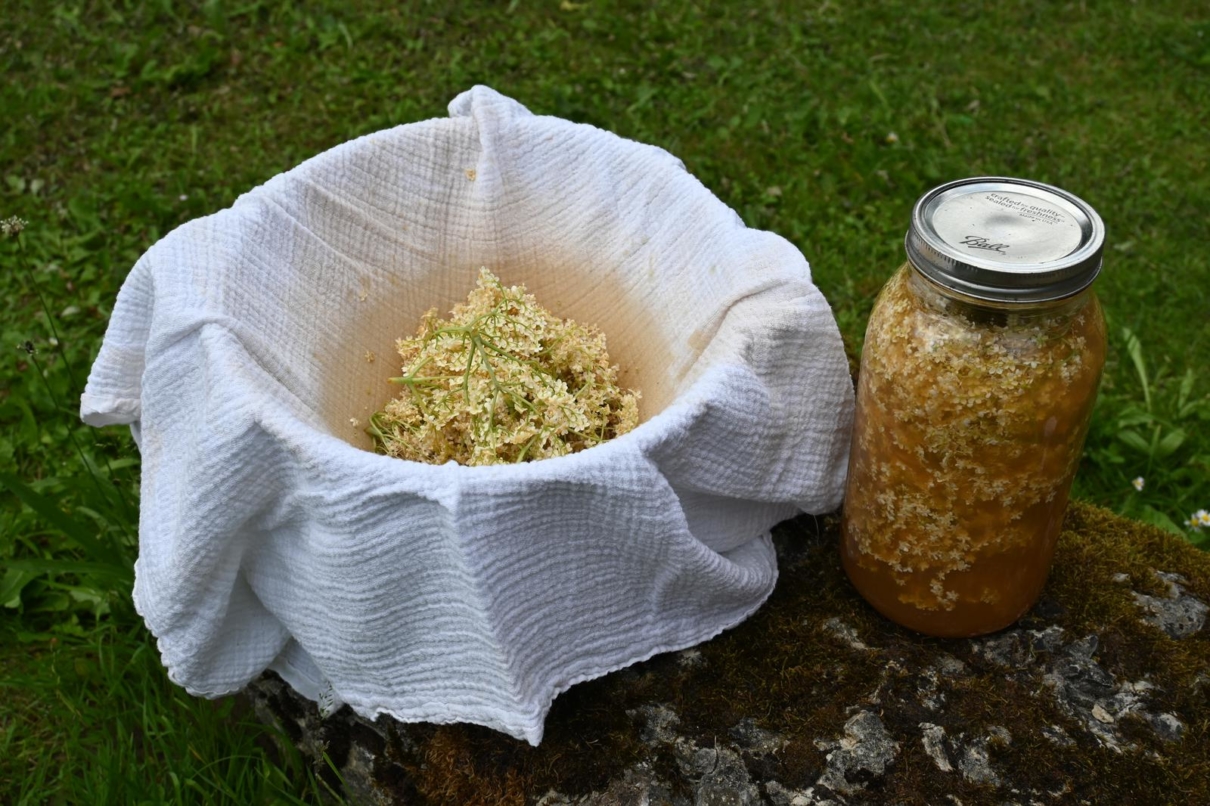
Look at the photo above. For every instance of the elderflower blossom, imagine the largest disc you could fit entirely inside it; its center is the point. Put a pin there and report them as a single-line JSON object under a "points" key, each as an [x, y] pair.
{"points": [[1199, 520], [1138, 483], [502, 380]]}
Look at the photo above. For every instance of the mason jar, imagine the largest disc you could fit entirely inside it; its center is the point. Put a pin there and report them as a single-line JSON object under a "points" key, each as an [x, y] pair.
{"points": [[978, 377]]}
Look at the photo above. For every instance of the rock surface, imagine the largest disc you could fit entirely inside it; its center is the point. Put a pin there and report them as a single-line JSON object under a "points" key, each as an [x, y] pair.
{"points": [[1101, 694]]}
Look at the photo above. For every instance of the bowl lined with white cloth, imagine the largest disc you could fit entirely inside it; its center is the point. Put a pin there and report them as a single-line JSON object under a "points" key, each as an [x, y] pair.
{"points": [[247, 350]]}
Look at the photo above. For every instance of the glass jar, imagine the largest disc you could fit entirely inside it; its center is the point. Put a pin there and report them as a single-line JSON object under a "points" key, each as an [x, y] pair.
{"points": [[978, 377]]}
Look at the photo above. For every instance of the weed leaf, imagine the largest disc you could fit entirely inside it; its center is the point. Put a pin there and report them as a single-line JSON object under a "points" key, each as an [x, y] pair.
{"points": [[1135, 440], [1134, 349], [1168, 445], [15, 579], [80, 532], [106, 570]]}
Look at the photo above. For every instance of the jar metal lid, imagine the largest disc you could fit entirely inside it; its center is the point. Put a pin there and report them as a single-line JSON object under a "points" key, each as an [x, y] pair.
{"points": [[1006, 240]]}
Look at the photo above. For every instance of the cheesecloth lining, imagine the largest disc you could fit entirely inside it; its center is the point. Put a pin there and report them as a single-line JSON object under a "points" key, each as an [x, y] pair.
{"points": [[247, 349]]}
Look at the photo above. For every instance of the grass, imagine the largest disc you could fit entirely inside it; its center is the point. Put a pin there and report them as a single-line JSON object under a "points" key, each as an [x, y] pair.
{"points": [[820, 121], [108, 727]]}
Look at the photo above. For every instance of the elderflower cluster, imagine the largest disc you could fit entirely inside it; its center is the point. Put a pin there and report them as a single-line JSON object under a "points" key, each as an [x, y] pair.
{"points": [[502, 380]]}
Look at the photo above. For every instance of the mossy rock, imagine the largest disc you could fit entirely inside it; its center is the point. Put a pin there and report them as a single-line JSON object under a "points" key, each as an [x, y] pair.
{"points": [[1099, 695]]}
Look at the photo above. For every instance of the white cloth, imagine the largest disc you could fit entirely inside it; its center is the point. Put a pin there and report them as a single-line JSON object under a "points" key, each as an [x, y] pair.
{"points": [[246, 349]]}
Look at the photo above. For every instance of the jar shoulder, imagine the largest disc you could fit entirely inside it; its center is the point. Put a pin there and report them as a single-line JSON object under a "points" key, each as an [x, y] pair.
{"points": [[912, 318]]}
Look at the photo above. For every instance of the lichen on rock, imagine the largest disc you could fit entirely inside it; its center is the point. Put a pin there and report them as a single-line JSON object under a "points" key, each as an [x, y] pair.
{"points": [[864, 752], [1178, 614]]}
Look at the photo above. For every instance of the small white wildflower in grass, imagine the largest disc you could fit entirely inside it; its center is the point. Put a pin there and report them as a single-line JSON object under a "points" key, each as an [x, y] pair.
{"points": [[1199, 520], [12, 226], [1138, 483], [183, 197], [892, 138], [502, 380]]}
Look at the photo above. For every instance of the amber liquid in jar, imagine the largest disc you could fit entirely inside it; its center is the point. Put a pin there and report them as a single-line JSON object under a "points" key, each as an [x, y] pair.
{"points": [[970, 424]]}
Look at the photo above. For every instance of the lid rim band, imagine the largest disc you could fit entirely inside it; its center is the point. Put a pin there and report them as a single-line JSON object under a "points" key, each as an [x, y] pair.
{"points": [[1038, 219]]}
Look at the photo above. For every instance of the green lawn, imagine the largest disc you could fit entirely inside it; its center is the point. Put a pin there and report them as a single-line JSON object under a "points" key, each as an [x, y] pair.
{"points": [[821, 121]]}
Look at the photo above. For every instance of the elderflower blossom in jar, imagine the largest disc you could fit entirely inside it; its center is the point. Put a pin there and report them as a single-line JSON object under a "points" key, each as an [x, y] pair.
{"points": [[978, 377]]}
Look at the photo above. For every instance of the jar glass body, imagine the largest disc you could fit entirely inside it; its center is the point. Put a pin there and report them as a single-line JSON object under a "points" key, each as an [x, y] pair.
{"points": [[971, 418]]}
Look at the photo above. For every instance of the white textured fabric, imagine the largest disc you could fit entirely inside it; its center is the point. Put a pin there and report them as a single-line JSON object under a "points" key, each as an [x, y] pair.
{"points": [[247, 348]]}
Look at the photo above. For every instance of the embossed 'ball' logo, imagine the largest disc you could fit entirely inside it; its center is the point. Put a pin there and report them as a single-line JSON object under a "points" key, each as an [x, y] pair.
{"points": [[979, 242]]}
